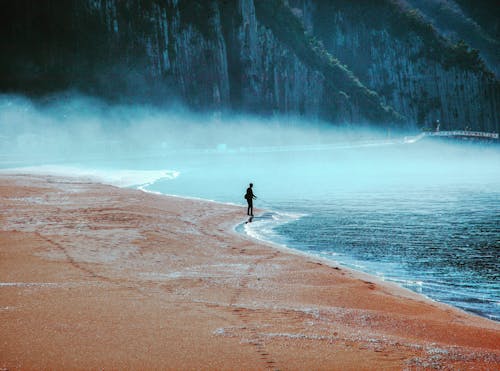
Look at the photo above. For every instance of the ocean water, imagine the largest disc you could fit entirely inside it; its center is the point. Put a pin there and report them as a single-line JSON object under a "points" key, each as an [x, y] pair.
{"points": [[424, 215], [426, 218], [445, 246]]}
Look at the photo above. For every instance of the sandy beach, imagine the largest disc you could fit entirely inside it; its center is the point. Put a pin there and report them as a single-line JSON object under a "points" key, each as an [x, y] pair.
{"points": [[98, 277]]}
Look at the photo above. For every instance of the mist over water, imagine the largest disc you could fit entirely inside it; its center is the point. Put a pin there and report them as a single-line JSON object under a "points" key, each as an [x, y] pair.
{"points": [[73, 127], [423, 214]]}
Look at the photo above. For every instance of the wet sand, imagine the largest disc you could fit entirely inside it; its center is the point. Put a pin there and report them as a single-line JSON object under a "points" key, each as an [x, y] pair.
{"points": [[98, 277]]}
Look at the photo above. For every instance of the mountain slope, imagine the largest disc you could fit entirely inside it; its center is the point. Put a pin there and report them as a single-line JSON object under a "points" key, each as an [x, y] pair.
{"points": [[422, 74], [377, 61]]}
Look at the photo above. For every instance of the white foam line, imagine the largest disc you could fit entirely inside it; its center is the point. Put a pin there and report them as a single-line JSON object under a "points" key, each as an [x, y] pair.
{"points": [[360, 273], [140, 179], [120, 178], [284, 248], [143, 188], [260, 228]]}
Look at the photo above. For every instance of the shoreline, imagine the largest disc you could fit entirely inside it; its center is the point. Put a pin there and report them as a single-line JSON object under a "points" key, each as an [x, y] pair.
{"points": [[359, 273], [98, 276], [333, 263]]}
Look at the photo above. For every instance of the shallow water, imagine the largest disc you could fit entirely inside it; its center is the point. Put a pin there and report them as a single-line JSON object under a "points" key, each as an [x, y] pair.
{"points": [[431, 224], [445, 247], [426, 215]]}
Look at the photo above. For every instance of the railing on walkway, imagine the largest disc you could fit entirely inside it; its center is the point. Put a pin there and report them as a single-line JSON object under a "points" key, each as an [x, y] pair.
{"points": [[463, 133]]}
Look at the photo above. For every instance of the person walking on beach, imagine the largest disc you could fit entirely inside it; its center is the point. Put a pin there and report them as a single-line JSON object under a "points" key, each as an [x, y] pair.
{"points": [[249, 196]]}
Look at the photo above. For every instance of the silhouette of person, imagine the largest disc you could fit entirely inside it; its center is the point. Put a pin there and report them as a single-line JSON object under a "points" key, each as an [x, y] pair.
{"points": [[249, 196]]}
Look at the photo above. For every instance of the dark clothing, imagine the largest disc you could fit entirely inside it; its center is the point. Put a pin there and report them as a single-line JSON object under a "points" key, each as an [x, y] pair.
{"points": [[249, 196]]}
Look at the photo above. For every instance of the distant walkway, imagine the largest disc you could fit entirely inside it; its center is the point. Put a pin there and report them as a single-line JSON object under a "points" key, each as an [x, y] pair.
{"points": [[453, 134], [462, 134]]}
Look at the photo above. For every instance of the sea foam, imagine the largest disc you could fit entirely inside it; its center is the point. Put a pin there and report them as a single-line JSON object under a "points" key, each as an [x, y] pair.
{"points": [[119, 178], [263, 227]]}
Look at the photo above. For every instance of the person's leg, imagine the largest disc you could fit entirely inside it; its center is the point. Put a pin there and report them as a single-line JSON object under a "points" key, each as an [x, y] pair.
{"points": [[251, 208]]}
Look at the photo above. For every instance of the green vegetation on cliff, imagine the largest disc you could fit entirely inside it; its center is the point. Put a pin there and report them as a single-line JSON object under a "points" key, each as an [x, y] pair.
{"points": [[278, 17], [404, 22]]}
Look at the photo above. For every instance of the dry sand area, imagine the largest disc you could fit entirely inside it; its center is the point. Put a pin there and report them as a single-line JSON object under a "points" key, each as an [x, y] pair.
{"points": [[97, 277]]}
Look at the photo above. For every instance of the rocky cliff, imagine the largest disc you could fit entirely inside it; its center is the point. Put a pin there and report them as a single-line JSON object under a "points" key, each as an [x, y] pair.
{"points": [[327, 60], [396, 51]]}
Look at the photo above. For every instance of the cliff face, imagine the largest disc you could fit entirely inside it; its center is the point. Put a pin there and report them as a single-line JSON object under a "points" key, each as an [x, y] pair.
{"points": [[265, 75], [416, 71], [250, 55], [209, 54], [476, 23]]}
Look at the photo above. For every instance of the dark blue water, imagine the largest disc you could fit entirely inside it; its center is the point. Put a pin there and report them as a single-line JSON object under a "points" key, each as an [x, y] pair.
{"points": [[443, 244], [425, 215], [427, 219]]}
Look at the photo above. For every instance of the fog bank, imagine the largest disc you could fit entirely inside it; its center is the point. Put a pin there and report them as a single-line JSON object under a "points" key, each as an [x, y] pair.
{"points": [[74, 127], [83, 132]]}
